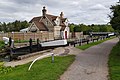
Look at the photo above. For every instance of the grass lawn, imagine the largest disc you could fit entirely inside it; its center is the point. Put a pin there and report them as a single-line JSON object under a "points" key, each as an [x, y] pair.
{"points": [[41, 70], [1, 44], [114, 63], [23, 41], [86, 46]]}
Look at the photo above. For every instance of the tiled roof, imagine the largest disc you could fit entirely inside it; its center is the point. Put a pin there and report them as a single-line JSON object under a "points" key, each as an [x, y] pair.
{"points": [[63, 19], [51, 18], [35, 19], [40, 26]]}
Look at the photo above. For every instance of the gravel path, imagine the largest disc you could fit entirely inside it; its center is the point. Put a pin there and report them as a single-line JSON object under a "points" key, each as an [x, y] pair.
{"points": [[91, 64]]}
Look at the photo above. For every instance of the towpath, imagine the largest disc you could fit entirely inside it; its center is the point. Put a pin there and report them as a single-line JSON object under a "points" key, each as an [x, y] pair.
{"points": [[91, 64]]}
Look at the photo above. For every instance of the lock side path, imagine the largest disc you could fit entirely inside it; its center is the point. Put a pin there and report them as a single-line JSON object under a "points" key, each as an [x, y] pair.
{"points": [[91, 64]]}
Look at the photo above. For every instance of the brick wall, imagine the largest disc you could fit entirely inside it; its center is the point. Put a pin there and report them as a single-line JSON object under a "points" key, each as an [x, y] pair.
{"points": [[43, 36]]}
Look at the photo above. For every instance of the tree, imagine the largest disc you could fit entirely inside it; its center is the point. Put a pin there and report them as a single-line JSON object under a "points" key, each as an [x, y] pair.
{"points": [[13, 26], [72, 27], [4, 27], [115, 17]]}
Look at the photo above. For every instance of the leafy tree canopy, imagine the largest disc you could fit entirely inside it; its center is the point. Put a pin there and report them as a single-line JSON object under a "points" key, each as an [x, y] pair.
{"points": [[13, 26], [90, 28], [115, 17]]}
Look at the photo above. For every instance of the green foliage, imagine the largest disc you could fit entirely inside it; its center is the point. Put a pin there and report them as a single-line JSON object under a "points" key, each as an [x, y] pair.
{"points": [[91, 28], [1, 63], [1, 45], [114, 63], [86, 46], [115, 17], [72, 27], [13, 26], [41, 70], [21, 41], [4, 70]]}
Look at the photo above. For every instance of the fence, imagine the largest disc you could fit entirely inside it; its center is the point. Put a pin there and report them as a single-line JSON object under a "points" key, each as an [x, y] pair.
{"points": [[43, 36]]}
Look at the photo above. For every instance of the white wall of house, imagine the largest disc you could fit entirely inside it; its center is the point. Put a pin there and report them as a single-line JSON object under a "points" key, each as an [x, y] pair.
{"points": [[63, 32], [57, 28], [66, 29]]}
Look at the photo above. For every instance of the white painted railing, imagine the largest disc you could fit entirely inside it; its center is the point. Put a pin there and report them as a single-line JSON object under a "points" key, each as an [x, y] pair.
{"points": [[47, 55]]}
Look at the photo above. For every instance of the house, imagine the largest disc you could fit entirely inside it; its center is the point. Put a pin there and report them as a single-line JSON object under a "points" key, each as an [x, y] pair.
{"points": [[50, 23]]}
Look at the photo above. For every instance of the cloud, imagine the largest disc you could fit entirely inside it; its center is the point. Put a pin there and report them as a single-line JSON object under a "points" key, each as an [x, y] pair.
{"points": [[98, 7], [77, 11], [23, 2]]}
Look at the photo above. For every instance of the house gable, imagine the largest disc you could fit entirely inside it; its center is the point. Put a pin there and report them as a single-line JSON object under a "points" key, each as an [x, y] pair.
{"points": [[47, 23], [37, 26], [33, 27], [57, 21], [66, 22]]}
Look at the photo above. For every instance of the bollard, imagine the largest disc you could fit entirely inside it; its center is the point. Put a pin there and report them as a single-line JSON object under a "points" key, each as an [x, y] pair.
{"points": [[30, 44], [93, 40], [74, 44], [11, 55], [10, 41], [79, 43], [10, 49], [38, 45], [97, 39], [87, 41], [52, 57]]}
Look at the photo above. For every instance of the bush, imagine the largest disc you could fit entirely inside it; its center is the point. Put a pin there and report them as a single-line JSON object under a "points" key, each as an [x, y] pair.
{"points": [[4, 70]]}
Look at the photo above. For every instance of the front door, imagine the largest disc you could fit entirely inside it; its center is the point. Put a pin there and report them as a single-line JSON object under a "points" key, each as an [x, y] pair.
{"points": [[65, 34]]}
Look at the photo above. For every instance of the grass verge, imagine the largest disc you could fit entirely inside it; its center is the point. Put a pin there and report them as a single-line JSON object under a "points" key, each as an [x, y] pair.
{"points": [[23, 41], [114, 63], [41, 70], [1, 44], [86, 46]]}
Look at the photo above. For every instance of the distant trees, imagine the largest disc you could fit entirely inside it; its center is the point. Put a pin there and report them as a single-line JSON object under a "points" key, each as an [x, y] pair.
{"points": [[13, 26], [91, 28], [115, 17], [72, 26], [18, 25]]}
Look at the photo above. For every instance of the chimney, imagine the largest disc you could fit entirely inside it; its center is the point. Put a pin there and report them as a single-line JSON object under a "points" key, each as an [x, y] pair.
{"points": [[61, 15], [44, 12]]}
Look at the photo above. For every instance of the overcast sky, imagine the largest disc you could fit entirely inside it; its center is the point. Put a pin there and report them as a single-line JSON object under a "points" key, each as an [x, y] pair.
{"points": [[77, 11]]}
